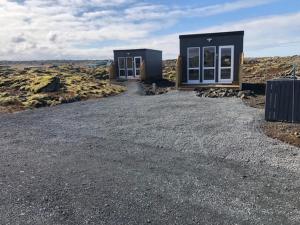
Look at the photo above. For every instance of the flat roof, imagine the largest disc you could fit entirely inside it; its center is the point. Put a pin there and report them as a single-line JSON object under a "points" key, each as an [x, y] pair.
{"points": [[213, 34], [137, 49]]}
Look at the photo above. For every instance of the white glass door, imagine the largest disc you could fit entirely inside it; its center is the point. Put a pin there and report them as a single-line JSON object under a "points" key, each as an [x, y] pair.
{"points": [[226, 64], [137, 66], [129, 67], [193, 67], [209, 64], [122, 67]]}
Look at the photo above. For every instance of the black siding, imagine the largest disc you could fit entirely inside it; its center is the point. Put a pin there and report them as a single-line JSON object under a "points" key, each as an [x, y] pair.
{"points": [[154, 64], [127, 53], [283, 101], [151, 58], [218, 39]]}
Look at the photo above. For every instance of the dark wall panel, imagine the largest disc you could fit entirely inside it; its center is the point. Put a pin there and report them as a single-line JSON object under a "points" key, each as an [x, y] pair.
{"points": [[218, 39], [152, 59], [283, 100], [154, 64], [127, 53]]}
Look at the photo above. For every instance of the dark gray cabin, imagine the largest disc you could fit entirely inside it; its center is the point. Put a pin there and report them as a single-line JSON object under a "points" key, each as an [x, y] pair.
{"points": [[128, 63], [211, 58]]}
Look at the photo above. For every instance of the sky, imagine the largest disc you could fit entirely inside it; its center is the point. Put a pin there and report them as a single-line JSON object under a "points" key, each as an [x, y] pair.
{"points": [[91, 29]]}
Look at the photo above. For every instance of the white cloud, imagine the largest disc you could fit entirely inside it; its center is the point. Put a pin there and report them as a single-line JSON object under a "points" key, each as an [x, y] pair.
{"points": [[48, 29], [264, 36], [273, 33], [150, 11]]}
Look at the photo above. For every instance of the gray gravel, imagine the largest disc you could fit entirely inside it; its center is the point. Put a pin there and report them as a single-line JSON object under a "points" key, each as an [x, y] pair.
{"points": [[132, 159]]}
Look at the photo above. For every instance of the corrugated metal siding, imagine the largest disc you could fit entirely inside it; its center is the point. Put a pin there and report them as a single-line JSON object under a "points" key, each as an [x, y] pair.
{"points": [[283, 101]]}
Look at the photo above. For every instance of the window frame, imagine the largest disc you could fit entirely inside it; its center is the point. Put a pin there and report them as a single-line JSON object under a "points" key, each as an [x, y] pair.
{"points": [[194, 68], [209, 68], [124, 69], [135, 68], [226, 67], [129, 68]]}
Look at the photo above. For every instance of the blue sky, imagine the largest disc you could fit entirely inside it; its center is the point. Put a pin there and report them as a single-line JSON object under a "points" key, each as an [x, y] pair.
{"points": [[91, 29]]}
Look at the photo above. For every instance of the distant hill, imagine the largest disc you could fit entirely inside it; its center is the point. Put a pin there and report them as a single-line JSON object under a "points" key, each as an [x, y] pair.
{"points": [[42, 63]]}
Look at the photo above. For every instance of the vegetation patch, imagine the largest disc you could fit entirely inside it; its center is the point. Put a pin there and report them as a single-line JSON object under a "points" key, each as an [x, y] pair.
{"points": [[45, 83], [9, 100], [49, 86]]}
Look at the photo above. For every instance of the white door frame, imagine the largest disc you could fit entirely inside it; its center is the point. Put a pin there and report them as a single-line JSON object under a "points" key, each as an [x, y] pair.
{"points": [[135, 68], [206, 68], [129, 68], [231, 67], [124, 69], [197, 68]]}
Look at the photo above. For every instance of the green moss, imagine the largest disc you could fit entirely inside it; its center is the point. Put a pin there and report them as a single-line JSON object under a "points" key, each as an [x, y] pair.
{"points": [[44, 84], [11, 100], [67, 84], [6, 82], [4, 94], [38, 100]]}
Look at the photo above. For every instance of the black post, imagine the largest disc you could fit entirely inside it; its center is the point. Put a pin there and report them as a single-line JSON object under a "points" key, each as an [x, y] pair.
{"points": [[293, 104]]}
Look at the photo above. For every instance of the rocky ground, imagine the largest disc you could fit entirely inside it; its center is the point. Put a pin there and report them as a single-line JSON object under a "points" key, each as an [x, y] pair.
{"points": [[286, 132], [132, 159], [256, 71], [157, 87], [33, 87], [223, 92], [24, 85]]}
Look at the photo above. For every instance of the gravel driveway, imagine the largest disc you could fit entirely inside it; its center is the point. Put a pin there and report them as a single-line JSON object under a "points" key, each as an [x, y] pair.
{"points": [[132, 159]]}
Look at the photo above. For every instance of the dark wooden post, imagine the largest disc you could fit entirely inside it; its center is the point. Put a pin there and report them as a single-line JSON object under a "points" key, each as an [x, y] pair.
{"points": [[143, 71], [241, 70], [178, 71]]}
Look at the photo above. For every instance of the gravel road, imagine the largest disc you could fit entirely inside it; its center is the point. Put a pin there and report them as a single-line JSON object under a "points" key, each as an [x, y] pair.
{"points": [[132, 159]]}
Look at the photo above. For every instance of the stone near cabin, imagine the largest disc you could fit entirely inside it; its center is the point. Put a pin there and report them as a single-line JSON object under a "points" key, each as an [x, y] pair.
{"points": [[45, 84], [297, 134], [245, 94], [221, 93], [154, 87]]}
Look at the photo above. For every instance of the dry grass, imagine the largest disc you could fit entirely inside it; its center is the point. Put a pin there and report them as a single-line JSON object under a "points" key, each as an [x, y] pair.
{"points": [[31, 88], [286, 132]]}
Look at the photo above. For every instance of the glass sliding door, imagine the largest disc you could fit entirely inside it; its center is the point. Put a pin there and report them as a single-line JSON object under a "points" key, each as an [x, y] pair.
{"points": [[226, 64], [129, 67], [209, 64], [193, 68], [137, 66], [122, 67]]}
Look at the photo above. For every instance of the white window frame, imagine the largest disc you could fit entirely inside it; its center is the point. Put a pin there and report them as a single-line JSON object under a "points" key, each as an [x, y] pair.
{"points": [[231, 67], [129, 68], [135, 68], [196, 68], [120, 68], [209, 68]]}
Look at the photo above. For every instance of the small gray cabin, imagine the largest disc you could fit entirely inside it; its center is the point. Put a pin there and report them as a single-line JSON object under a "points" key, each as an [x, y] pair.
{"points": [[128, 63], [211, 58]]}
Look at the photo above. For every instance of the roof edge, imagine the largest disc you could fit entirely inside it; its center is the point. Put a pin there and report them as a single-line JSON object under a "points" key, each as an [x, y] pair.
{"points": [[137, 49], [213, 34]]}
